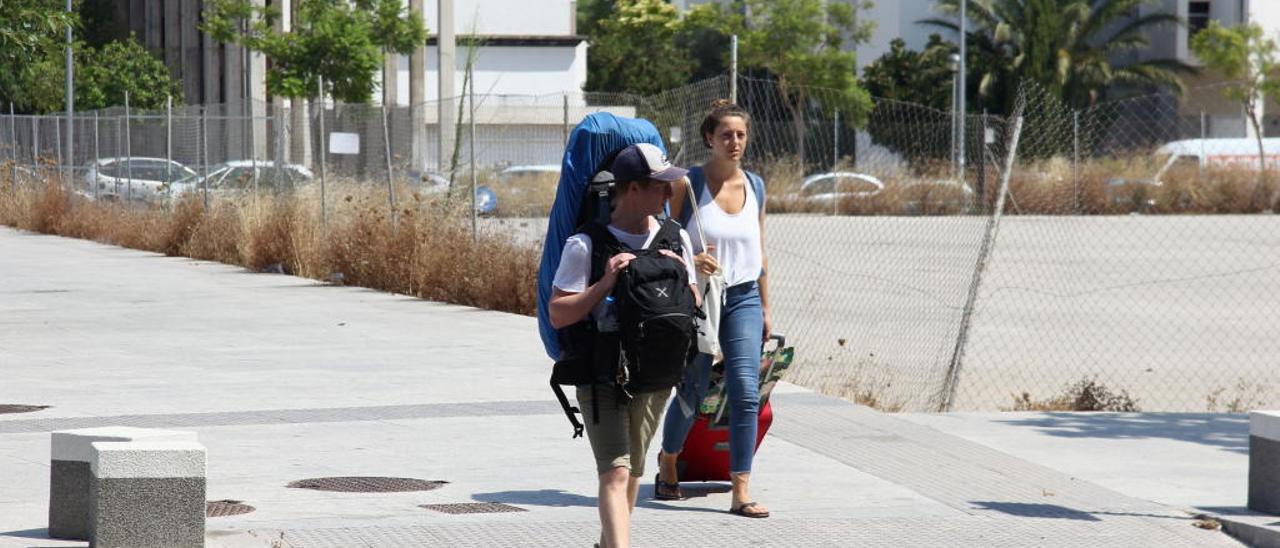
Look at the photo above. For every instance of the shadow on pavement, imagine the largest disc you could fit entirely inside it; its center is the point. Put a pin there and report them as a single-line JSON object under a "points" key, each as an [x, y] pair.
{"points": [[540, 497], [28, 533], [1033, 510], [704, 489], [1229, 432], [561, 498]]}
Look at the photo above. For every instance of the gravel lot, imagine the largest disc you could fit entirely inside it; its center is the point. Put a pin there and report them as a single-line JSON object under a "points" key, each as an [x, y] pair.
{"points": [[1171, 308]]}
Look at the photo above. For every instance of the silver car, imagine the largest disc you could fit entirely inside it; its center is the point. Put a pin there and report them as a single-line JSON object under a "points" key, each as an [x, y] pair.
{"points": [[133, 179], [237, 176]]}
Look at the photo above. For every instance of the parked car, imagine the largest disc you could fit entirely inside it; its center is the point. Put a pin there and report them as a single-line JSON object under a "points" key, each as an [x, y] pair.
{"points": [[529, 170], [431, 182], [1241, 151], [527, 190], [137, 179], [236, 177], [827, 188]]}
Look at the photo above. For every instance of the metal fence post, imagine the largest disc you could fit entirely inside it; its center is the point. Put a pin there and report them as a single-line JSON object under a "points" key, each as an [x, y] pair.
{"points": [[324, 214], [471, 92], [1075, 160], [253, 147], [952, 380], [981, 183], [386, 148], [13, 130], [35, 143], [70, 98], [57, 148], [128, 150], [835, 142], [204, 147], [1203, 136], [168, 144], [96, 155]]}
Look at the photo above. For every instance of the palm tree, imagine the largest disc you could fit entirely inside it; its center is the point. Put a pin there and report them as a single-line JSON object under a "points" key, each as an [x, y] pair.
{"points": [[1068, 46]]}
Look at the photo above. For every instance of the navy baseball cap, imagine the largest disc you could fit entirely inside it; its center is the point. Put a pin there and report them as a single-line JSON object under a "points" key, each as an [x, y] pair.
{"points": [[644, 161]]}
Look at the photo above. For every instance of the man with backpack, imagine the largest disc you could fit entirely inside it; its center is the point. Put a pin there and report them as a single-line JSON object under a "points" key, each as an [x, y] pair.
{"points": [[623, 299]]}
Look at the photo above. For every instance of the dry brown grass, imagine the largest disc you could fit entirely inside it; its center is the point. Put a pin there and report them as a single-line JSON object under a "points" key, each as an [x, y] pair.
{"points": [[1085, 395], [528, 195], [1126, 185], [430, 251], [1246, 396], [1106, 186]]}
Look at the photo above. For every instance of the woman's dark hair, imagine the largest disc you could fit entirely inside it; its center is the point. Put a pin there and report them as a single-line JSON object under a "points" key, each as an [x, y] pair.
{"points": [[721, 109]]}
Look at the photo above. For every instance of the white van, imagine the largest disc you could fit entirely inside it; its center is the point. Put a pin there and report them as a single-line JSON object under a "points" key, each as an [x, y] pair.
{"points": [[1241, 151]]}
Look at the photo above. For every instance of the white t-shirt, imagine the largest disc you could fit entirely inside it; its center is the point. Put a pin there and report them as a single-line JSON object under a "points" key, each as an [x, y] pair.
{"points": [[736, 237], [575, 261]]}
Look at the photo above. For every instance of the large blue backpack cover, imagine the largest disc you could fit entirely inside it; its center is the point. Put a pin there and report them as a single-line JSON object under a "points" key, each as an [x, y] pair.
{"points": [[591, 143]]}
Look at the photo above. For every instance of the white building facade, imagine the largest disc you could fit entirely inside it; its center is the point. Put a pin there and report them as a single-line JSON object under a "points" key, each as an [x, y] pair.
{"points": [[525, 47]]}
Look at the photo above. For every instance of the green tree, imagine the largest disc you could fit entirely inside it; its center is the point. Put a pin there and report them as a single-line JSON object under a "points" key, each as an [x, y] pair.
{"points": [[1247, 58], [28, 30], [800, 44], [922, 77], [1067, 46], [915, 77], [102, 76], [634, 49], [340, 41]]}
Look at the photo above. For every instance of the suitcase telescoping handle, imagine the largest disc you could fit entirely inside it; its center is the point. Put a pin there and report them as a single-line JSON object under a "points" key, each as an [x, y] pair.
{"points": [[778, 338]]}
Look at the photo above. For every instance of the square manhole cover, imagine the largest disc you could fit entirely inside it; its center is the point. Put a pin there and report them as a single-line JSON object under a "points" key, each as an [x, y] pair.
{"points": [[472, 508], [367, 484]]}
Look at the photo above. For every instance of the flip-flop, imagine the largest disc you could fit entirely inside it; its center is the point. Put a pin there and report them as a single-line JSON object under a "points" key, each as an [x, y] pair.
{"points": [[666, 491], [741, 511]]}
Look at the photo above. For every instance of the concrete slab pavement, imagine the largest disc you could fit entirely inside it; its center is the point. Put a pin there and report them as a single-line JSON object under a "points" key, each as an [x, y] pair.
{"points": [[284, 379]]}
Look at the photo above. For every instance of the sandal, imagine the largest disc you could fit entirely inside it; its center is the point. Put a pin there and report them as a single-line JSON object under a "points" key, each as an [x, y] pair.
{"points": [[741, 511], [666, 491]]}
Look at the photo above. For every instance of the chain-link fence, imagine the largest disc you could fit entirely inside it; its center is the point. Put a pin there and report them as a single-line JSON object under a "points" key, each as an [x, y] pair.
{"points": [[1132, 247]]}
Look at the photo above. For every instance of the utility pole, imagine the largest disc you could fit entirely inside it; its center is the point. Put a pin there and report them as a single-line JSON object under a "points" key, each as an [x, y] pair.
{"points": [[446, 65], [71, 104], [964, 5], [418, 94], [733, 69]]}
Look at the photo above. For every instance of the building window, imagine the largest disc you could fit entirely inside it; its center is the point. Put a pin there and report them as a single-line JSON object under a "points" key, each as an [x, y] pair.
{"points": [[1197, 17]]}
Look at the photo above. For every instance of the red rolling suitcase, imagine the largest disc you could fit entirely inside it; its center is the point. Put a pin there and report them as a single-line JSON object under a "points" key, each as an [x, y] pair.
{"points": [[705, 456]]}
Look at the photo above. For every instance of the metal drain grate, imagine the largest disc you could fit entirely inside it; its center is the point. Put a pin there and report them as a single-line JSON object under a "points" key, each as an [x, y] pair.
{"points": [[224, 508], [472, 508], [15, 408], [367, 484]]}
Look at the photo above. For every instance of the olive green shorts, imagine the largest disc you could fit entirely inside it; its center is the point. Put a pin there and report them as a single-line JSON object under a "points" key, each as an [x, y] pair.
{"points": [[621, 438]]}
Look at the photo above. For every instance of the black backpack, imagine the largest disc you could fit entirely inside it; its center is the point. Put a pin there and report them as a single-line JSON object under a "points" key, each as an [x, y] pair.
{"points": [[654, 308]]}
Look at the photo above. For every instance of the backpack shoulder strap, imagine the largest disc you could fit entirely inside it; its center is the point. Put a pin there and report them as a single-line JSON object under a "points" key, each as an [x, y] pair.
{"points": [[668, 237], [603, 246], [757, 186], [699, 181]]}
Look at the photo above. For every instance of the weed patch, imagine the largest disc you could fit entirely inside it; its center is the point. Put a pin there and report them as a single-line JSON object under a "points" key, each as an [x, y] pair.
{"points": [[1085, 395]]}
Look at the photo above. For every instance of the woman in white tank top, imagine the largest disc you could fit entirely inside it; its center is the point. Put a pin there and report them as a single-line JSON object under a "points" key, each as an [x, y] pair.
{"points": [[731, 210]]}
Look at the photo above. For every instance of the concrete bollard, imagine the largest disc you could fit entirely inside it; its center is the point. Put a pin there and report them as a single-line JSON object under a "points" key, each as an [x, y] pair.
{"points": [[147, 494], [1264, 461], [69, 473]]}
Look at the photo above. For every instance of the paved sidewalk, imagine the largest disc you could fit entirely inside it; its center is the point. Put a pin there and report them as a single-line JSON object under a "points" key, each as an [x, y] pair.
{"points": [[285, 379]]}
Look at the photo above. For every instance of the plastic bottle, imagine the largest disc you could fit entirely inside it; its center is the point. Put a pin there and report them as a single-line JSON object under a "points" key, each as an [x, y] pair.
{"points": [[607, 319]]}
